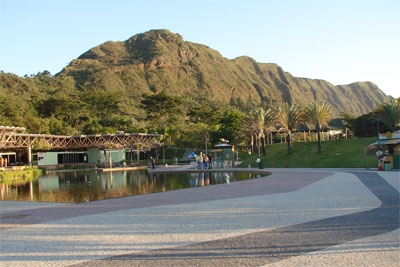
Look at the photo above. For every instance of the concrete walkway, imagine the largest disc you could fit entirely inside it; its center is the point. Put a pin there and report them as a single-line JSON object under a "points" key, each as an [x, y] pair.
{"points": [[294, 217]]}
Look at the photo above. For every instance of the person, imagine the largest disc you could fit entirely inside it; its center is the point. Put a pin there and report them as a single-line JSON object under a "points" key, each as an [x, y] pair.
{"points": [[210, 158], [205, 161], [5, 162], [258, 160], [200, 161], [379, 154], [1, 161], [152, 162]]}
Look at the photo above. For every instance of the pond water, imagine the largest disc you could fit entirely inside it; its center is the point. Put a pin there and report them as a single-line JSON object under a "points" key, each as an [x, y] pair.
{"points": [[85, 186]]}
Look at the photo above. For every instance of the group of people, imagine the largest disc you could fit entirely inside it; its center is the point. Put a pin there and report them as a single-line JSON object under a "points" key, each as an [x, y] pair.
{"points": [[204, 161], [3, 162]]}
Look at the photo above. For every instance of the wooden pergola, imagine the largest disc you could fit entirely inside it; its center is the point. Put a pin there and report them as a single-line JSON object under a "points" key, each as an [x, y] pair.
{"points": [[15, 138]]}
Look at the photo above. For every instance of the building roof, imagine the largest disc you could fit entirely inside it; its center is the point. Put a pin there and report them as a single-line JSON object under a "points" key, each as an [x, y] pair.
{"points": [[386, 142]]}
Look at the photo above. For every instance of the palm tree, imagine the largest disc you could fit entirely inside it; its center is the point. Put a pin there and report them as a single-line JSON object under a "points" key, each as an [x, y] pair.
{"points": [[264, 121], [257, 124], [318, 113], [269, 121], [248, 129], [390, 113], [289, 117]]}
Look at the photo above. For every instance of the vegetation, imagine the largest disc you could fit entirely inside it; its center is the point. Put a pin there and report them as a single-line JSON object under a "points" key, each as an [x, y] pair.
{"points": [[319, 113], [385, 118], [289, 118], [390, 114], [342, 153], [156, 82], [19, 176], [103, 90]]}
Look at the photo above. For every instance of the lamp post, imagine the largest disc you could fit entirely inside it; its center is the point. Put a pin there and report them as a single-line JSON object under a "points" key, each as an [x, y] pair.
{"points": [[206, 140], [258, 144], [379, 153], [378, 121], [259, 153]]}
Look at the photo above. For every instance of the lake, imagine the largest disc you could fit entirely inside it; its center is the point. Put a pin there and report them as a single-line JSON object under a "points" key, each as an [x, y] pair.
{"points": [[85, 186]]}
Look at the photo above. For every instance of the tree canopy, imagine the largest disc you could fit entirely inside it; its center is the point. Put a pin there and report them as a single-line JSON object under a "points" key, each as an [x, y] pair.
{"points": [[318, 113]]}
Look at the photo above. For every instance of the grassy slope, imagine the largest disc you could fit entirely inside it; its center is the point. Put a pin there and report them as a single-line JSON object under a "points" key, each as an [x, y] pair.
{"points": [[335, 154]]}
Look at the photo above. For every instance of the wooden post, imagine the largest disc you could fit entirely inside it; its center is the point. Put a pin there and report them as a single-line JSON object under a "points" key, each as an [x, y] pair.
{"points": [[29, 156]]}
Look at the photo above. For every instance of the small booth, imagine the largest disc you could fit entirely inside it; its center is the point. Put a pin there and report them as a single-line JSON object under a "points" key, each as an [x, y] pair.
{"points": [[223, 156], [388, 151]]}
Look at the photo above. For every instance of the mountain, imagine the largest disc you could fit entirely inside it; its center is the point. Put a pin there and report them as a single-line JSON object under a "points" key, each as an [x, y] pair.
{"points": [[159, 60], [101, 90]]}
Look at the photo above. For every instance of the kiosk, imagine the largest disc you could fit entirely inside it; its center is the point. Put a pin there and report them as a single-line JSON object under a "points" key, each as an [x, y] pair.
{"points": [[223, 156]]}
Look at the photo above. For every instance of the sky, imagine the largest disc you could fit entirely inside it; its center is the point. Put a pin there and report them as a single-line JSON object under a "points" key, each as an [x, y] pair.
{"points": [[340, 41]]}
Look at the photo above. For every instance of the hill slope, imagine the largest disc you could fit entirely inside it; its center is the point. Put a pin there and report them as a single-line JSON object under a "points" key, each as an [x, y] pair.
{"points": [[101, 91], [160, 60]]}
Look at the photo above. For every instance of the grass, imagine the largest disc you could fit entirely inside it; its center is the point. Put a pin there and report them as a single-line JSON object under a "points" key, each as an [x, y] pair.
{"points": [[19, 176], [335, 154]]}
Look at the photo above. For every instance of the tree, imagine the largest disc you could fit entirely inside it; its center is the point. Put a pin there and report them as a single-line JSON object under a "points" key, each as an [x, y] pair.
{"points": [[318, 113], [258, 124], [390, 114], [231, 125], [162, 109], [204, 114], [366, 125], [349, 121], [69, 112], [269, 123], [289, 117], [102, 103], [259, 116]]}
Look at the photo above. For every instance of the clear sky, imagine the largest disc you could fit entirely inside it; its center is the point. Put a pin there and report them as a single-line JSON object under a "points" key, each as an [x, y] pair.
{"points": [[341, 41]]}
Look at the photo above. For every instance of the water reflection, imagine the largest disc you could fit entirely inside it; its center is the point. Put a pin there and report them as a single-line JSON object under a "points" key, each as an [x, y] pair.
{"points": [[85, 186]]}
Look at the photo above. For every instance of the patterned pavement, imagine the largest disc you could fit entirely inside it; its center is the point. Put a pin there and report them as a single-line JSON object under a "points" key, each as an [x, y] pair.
{"points": [[302, 217]]}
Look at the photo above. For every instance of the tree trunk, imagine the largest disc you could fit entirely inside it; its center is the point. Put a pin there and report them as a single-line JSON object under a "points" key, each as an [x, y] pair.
{"points": [[263, 145], [138, 155], [319, 139], [252, 144]]}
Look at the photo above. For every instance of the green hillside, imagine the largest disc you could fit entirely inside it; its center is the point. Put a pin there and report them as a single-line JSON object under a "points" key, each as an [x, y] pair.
{"points": [[160, 60], [335, 154], [101, 91]]}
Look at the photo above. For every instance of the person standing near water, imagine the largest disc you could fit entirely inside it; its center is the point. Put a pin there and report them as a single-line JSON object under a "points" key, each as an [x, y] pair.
{"points": [[152, 163], [200, 161]]}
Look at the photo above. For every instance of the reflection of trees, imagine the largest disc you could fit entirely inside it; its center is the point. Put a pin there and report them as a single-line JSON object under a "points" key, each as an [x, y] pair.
{"points": [[90, 186], [20, 190]]}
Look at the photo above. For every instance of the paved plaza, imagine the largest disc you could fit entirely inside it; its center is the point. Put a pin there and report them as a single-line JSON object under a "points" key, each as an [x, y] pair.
{"points": [[293, 217]]}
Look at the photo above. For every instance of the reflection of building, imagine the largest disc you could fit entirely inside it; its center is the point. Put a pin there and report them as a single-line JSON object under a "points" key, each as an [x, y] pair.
{"points": [[49, 183], [389, 144]]}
